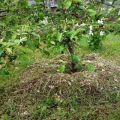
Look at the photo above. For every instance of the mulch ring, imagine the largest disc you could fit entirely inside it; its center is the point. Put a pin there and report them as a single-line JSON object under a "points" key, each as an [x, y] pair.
{"points": [[42, 79]]}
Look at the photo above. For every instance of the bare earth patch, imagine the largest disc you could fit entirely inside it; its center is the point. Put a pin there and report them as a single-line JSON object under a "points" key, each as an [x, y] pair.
{"points": [[42, 79]]}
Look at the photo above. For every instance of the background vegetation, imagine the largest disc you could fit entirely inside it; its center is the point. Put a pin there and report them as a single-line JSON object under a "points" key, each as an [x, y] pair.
{"points": [[76, 41]]}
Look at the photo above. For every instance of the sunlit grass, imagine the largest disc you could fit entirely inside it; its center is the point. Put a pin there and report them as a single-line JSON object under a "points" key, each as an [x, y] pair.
{"points": [[111, 48]]}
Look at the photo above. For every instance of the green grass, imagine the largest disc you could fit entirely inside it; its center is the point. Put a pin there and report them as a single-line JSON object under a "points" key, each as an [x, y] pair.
{"points": [[69, 109], [111, 48], [9, 75]]}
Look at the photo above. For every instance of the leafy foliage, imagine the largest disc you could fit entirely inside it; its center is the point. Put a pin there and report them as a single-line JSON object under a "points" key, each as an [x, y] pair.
{"points": [[35, 26]]}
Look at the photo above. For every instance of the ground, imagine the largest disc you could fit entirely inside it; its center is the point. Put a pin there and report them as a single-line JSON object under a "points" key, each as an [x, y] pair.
{"points": [[42, 79], [42, 92]]}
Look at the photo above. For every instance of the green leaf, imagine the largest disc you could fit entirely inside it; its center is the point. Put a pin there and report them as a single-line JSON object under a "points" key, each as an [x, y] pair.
{"points": [[52, 42], [1, 52], [59, 36], [75, 58], [67, 3], [36, 35], [9, 50], [31, 44], [41, 16], [91, 12], [61, 68], [90, 67], [74, 33], [4, 72]]}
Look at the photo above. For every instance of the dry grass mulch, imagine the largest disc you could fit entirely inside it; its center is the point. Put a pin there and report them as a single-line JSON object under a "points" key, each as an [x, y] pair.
{"points": [[42, 79]]}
